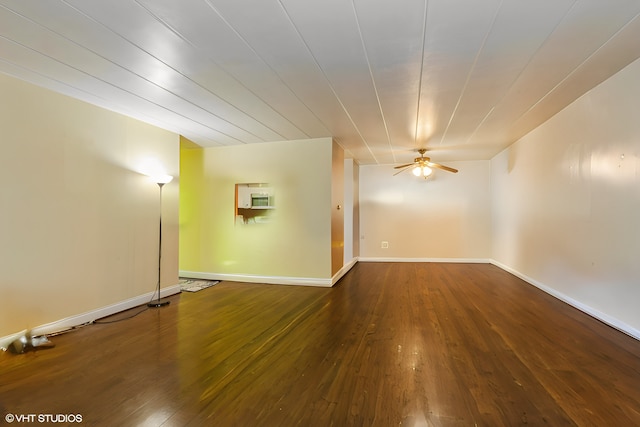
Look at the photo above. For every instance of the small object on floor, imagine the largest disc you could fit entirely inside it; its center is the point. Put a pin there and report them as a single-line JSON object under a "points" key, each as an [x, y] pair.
{"points": [[26, 343], [196, 285]]}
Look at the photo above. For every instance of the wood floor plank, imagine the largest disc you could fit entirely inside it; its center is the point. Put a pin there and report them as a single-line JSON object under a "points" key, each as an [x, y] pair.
{"points": [[411, 344]]}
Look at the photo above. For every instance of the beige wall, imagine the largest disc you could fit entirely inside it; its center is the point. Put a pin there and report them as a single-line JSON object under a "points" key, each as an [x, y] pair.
{"points": [[447, 216], [293, 246], [567, 203], [78, 223]]}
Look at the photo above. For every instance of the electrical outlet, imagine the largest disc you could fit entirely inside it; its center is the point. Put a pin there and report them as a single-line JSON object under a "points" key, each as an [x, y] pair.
{"points": [[384, 245]]}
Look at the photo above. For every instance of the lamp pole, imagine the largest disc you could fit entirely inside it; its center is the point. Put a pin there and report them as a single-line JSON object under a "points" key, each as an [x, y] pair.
{"points": [[161, 181]]}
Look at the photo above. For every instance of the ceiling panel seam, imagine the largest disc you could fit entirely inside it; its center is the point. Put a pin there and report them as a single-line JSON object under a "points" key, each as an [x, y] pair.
{"points": [[522, 70], [108, 84], [575, 70], [291, 91], [186, 40], [324, 74], [471, 70], [424, 44], [373, 81], [117, 108], [122, 68]]}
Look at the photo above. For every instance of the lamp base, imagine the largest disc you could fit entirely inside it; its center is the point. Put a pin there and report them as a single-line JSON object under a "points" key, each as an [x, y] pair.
{"points": [[158, 303]]}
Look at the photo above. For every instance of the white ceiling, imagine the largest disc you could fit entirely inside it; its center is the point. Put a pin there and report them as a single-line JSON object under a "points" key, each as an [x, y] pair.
{"points": [[464, 78]]}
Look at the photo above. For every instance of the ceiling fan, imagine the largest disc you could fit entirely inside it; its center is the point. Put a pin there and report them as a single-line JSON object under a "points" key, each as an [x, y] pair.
{"points": [[422, 166]]}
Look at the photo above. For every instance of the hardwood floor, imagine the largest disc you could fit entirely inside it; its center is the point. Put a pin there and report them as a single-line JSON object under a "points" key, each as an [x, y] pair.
{"points": [[411, 344]]}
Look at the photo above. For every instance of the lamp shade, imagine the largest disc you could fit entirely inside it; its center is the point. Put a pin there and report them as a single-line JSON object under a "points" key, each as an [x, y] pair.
{"points": [[162, 179]]}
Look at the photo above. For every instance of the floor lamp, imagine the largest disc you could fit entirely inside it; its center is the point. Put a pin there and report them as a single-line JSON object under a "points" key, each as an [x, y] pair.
{"points": [[161, 181]]}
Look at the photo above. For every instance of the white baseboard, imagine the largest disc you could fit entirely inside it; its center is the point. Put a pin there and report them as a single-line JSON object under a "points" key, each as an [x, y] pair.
{"points": [[271, 280], [605, 318], [250, 278], [344, 270], [81, 319], [452, 260]]}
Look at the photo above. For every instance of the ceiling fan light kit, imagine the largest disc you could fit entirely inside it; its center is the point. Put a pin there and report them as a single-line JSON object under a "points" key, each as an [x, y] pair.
{"points": [[423, 166], [424, 171]]}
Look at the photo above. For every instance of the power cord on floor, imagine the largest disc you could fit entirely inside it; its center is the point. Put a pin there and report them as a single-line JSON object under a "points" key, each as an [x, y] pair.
{"points": [[105, 322]]}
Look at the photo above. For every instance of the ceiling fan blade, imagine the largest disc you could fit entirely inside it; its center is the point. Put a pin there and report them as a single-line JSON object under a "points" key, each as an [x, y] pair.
{"points": [[404, 166], [443, 167]]}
